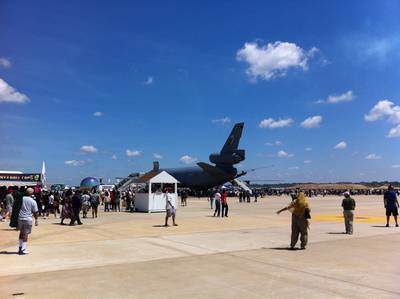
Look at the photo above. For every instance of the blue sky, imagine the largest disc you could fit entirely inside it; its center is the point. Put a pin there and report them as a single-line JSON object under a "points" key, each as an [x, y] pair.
{"points": [[171, 78]]}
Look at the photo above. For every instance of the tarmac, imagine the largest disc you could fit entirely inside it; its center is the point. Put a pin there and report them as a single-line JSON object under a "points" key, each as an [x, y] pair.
{"points": [[131, 255]]}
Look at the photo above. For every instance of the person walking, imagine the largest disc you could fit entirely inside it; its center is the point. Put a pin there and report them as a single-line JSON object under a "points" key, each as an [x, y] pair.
{"points": [[107, 201], [391, 205], [94, 203], [76, 202], [224, 203], [66, 211], [117, 201], [170, 209], [217, 202], [9, 202], [184, 198], [28, 208], [348, 204], [300, 209], [85, 203]]}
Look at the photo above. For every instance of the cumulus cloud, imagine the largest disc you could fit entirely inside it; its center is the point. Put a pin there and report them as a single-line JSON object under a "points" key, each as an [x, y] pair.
{"points": [[276, 143], [90, 149], [149, 80], [114, 157], [133, 153], [98, 114], [270, 123], [373, 157], [312, 122], [394, 132], [307, 161], [223, 121], [283, 154], [294, 168], [157, 156], [75, 162], [308, 149], [334, 99], [186, 159], [341, 145], [384, 109], [9, 95], [396, 166], [273, 59], [5, 63]]}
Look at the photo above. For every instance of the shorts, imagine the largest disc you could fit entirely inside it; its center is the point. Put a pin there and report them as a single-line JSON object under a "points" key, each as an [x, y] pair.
{"points": [[392, 211], [171, 213], [25, 226], [9, 209]]}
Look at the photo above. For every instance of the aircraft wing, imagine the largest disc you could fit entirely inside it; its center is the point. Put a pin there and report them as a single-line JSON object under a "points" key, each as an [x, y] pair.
{"points": [[242, 185], [210, 168]]}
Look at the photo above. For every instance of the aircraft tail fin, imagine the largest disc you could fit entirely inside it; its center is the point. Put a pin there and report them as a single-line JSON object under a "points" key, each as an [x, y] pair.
{"points": [[232, 142]]}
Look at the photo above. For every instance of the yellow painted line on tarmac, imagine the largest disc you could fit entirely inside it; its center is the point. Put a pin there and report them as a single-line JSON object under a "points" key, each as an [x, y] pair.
{"points": [[357, 218]]}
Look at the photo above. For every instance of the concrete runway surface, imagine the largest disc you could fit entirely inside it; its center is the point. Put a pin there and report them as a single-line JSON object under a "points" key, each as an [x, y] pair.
{"points": [[123, 255]]}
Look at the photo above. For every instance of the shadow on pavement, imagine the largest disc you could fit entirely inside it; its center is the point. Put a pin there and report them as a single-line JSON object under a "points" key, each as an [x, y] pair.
{"points": [[8, 252], [159, 225], [283, 248], [378, 226], [336, 233]]}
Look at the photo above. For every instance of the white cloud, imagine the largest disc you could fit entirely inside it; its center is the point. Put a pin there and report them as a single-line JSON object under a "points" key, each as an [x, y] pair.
{"points": [[274, 59], [312, 122], [307, 161], [334, 99], [5, 63], [9, 95], [373, 157], [396, 166], [88, 149], [75, 162], [133, 153], [224, 121], [390, 111], [98, 114], [270, 123], [157, 156], [187, 159], [308, 149], [394, 132], [276, 143], [283, 154], [149, 80], [341, 145], [294, 168], [114, 157], [382, 109]]}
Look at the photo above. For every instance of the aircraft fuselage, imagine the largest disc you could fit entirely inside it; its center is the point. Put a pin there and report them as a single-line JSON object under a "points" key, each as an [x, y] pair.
{"points": [[196, 177]]}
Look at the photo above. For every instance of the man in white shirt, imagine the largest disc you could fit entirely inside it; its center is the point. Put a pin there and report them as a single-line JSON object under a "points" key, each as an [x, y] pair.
{"points": [[28, 208], [170, 209]]}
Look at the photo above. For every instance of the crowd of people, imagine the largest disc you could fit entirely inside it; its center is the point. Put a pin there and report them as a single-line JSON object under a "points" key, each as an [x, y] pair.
{"points": [[20, 205]]}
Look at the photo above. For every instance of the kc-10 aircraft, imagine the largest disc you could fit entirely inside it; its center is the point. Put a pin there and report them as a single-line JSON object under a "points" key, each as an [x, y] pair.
{"points": [[205, 175]]}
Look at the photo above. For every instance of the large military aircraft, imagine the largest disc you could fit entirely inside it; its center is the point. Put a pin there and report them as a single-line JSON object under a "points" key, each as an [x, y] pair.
{"points": [[205, 175]]}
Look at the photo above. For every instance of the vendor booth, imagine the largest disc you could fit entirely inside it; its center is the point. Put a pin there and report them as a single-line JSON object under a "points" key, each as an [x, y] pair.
{"points": [[151, 198]]}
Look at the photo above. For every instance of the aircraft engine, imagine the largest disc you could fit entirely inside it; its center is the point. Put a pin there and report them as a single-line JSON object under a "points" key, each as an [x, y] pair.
{"points": [[228, 158]]}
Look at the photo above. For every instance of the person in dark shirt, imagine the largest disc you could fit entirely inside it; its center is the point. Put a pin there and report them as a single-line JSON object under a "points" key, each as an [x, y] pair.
{"points": [[391, 205], [348, 204], [76, 208]]}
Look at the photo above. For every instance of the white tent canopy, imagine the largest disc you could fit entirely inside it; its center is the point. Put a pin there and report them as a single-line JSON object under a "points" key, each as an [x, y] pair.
{"points": [[163, 178], [155, 200]]}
